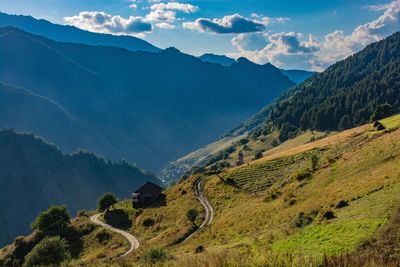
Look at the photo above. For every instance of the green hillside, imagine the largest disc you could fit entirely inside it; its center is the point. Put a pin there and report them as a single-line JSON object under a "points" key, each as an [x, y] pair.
{"points": [[327, 201], [35, 175]]}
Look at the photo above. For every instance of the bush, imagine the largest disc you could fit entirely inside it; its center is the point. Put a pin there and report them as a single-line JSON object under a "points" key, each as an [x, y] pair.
{"points": [[192, 215], [154, 255], [382, 111], [82, 213], [304, 219], [117, 218], [103, 236], [51, 251], [314, 162], [106, 201], [56, 218], [148, 222], [258, 155]]}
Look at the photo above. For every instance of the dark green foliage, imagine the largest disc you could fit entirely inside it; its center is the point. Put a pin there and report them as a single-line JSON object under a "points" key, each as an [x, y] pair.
{"points": [[155, 254], [148, 222], [328, 215], [382, 111], [117, 218], [106, 201], [35, 175], [55, 219], [51, 251], [314, 162], [192, 215], [103, 235], [304, 219], [258, 155]]}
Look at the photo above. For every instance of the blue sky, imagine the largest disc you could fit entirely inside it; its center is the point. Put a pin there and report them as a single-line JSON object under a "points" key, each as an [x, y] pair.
{"points": [[308, 34]]}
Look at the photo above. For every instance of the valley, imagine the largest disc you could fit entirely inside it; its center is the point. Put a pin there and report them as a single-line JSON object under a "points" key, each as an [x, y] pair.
{"points": [[263, 141]]}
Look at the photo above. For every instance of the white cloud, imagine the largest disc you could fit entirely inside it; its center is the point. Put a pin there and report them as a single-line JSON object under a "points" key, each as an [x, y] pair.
{"points": [[229, 24], [291, 50], [161, 16], [186, 8], [164, 25], [104, 23]]}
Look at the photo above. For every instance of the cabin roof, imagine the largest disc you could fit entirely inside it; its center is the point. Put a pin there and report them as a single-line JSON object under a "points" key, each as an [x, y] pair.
{"points": [[149, 187]]}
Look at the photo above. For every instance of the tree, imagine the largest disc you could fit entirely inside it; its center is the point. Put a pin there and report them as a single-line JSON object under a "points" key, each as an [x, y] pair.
{"points": [[56, 218], [51, 251], [106, 201], [382, 111], [192, 215]]}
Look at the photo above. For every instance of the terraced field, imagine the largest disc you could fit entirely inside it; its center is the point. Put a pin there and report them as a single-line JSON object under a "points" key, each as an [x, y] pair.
{"points": [[260, 176]]}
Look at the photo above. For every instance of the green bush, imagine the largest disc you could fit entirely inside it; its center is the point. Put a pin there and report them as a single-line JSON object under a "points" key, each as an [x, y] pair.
{"points": [[56, 218], [148, 222], [103, 235], [192, 215], [382, 111], [156, 254], [106, 201], [258, 155], [117, 218], [314, 162], [51, 251]]}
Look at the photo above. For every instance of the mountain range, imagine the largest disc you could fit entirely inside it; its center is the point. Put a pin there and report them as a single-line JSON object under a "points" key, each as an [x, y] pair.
{"points": [[297, 76], [66, 33], [118, 102]]}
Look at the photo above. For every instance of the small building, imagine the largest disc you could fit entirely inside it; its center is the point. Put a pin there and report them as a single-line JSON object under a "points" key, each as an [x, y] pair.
{"points": [[145, 195], [240, 159]]}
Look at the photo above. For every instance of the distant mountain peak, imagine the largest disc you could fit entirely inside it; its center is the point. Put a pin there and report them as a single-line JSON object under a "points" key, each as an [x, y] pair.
{"points": [[217, 59]]}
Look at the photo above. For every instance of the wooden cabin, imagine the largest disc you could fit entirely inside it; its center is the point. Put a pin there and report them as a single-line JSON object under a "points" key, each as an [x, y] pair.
{"points": [[145, 195]]}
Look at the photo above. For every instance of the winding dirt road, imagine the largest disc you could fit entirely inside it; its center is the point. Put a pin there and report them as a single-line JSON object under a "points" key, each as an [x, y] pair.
{"points": [[207, 206], [133, 241]]}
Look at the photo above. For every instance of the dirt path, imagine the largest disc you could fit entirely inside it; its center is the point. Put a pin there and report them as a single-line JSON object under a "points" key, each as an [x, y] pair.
{"points": [[207, 206], [133, 241]]}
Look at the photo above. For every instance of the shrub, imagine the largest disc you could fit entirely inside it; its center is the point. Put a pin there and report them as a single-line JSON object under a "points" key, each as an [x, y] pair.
{"points": [[106, 201], [117, 218], [258, 155], [381, 112], [103, 236], [56, 218], [148, 222], [304, 219], [199, 249], [51, 251], [314, 162], [192, 215], [155, 254]]}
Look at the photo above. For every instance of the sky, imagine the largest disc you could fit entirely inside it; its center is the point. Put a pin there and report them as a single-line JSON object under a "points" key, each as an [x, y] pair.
{"points": [[291, 34]]}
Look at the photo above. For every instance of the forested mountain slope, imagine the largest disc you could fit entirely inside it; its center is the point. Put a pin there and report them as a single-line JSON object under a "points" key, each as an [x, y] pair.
{"points": [[35, 175], [159, 105]]}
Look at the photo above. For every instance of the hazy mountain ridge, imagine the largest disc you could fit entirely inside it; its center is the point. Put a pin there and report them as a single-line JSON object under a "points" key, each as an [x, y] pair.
{"points": [[296, 76], [64, 33], [110, 88], [35, 174]]}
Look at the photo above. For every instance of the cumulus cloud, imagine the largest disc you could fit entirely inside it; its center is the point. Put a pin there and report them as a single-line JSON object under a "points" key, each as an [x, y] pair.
{"points": [[292, 50], [104, 23], [161, 16], [186, 8], [229, 24]]}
